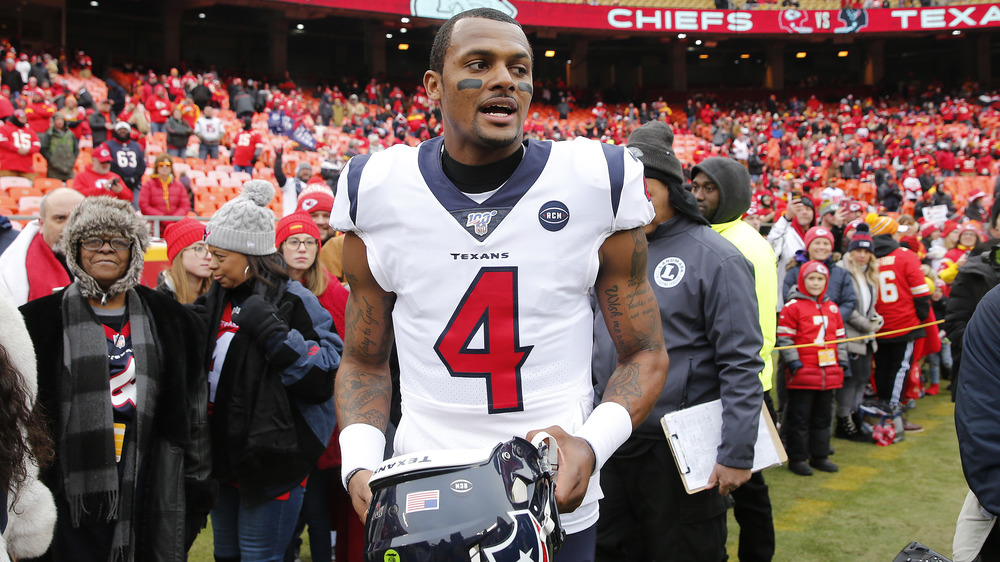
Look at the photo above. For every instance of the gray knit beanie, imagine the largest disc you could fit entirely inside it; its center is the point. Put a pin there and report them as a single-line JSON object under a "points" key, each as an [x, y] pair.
{"points": [[245, 224], [653, 145], [303, 165]]}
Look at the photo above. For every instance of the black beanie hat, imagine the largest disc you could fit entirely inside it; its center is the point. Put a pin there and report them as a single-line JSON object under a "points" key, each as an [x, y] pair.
{"points": [[653, 145]]}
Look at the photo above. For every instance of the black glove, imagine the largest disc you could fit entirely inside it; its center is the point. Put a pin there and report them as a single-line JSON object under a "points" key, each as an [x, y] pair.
{"points": [[261, 319], [793, 366]]}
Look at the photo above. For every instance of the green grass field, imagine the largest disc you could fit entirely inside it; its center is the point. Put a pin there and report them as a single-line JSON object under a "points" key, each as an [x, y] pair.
{"points": [[882, 498]]}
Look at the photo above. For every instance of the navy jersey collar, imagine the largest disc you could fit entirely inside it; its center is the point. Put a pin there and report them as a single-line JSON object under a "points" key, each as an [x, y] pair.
{"points": [[536, 155]]}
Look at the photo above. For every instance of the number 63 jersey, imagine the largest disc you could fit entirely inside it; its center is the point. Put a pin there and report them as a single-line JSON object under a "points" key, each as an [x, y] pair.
{"points": [[492, 320]]}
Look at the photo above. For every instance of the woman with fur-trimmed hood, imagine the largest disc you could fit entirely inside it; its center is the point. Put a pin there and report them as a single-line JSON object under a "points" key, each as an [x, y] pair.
{"points": [[132, 461]]}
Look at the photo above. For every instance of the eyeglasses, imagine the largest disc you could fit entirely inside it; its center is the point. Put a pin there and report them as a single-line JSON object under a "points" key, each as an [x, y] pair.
{"points": [[96, 244], [199, 251], [294, 244]]}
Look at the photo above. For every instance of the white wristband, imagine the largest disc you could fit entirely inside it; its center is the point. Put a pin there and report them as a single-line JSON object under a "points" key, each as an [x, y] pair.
{"points": [[608, 426], [362, 447]]}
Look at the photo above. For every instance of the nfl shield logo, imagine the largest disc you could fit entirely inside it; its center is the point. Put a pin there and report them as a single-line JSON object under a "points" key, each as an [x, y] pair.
{"points": [[481, 221]]}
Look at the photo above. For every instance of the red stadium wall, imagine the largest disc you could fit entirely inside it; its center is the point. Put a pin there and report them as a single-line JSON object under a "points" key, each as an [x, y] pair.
{"points": [[660, 20]]}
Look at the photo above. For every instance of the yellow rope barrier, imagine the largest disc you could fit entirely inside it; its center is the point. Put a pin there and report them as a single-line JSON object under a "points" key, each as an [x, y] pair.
{"points": [[844, 340]]}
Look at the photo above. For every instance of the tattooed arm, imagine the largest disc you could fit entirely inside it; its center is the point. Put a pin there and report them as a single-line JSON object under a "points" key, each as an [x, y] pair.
{"points": [[633, 319], [363, 386]]}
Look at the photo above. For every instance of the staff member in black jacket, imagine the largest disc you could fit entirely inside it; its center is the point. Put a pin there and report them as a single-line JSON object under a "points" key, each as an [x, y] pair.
{"points": [[705, 290]]}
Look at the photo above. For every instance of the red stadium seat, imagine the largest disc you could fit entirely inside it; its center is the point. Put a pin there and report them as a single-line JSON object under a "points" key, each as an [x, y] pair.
{"points": [[46, 185]]}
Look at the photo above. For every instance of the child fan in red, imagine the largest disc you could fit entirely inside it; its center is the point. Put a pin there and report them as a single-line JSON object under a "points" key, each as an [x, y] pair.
{"points": [[812, 373]]}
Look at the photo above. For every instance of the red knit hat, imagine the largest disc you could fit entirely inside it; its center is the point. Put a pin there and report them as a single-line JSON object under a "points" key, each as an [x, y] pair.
{"points": [[181, 234], [928, 229], [949, 226], [318, 200], [295, 223], [818, 232]]}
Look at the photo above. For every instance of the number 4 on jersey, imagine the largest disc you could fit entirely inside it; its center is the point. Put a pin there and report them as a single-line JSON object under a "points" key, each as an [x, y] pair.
{"points": [[488, 307]]}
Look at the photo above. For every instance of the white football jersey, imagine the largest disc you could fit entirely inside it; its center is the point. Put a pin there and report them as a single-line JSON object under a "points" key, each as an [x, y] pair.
{"points": [[492, 320]]}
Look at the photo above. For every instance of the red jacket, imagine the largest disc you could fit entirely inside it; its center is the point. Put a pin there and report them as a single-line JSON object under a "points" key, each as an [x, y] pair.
{"points": [[158, 108], [806, 319], [92, 184], [12, 139], [157, 199], [40, 116]]}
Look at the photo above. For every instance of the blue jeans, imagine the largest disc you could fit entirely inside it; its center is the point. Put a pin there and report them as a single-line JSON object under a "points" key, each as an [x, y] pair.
{"points": [[316, 515], [254, 534], [208, 150], [157, 127], [176, 152], [247, 169]]}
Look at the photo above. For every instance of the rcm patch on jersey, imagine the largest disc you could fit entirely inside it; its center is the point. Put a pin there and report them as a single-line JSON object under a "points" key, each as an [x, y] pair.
{"points": [[553, 216]]}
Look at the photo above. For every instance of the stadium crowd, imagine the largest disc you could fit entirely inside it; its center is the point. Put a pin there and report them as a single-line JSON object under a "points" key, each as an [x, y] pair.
{"points": [[882, 213]]}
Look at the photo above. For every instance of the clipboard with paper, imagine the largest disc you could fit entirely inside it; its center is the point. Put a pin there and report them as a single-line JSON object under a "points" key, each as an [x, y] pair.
{"points": [[695, 433]]}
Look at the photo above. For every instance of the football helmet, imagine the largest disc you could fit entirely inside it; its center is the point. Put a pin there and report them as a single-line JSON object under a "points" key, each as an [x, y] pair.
{"points": [[482, 505]]}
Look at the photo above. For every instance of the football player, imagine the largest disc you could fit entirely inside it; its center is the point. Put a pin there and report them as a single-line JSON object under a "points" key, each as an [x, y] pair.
{"points": [[477, 251]]}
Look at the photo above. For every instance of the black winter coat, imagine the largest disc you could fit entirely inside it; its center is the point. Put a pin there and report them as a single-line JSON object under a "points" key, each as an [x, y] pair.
{"points": [[273, 412], [178, 491], [973, 281]]}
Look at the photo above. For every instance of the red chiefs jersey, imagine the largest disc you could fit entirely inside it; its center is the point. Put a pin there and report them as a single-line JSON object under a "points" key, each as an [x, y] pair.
{"points": [[13, 139], [968, 166], [900, 280], [244, 146]]}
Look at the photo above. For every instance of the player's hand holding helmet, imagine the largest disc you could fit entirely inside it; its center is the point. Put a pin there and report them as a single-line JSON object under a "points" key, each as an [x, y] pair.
{"points": [[477, 505]]}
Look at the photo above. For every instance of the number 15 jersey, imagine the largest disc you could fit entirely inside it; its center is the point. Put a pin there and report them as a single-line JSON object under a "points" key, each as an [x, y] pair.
{"points": [[492, 320]]}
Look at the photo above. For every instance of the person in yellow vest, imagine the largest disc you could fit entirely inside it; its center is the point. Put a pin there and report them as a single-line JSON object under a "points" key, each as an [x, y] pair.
{"points": [[724, 209]]}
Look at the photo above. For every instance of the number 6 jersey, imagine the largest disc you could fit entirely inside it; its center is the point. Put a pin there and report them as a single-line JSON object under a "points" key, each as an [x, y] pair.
{"points": [[492, 320]]}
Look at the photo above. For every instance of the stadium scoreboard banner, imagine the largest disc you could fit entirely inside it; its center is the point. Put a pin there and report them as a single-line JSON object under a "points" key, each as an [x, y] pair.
{"points": [[664, 20]]}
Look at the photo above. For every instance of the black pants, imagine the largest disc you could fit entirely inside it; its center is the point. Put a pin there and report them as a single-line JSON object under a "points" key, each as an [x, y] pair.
{"points": [[578, 547], [991, 548], [752, 509], [892, 362], [807, 423], [647, 515]]}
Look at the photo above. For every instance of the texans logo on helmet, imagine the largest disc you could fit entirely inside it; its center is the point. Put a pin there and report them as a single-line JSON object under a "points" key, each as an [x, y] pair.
{"points": [[524, 543]]}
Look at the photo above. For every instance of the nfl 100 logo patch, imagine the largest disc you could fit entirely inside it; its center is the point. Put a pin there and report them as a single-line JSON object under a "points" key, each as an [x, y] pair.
{"points": [[480, 221]]}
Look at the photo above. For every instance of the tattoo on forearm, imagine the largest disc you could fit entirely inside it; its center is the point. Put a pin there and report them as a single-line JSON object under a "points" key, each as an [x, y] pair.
{"points": [[363, 397], [614, 313], [369, 336], [640, 254], [625, 385]]}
